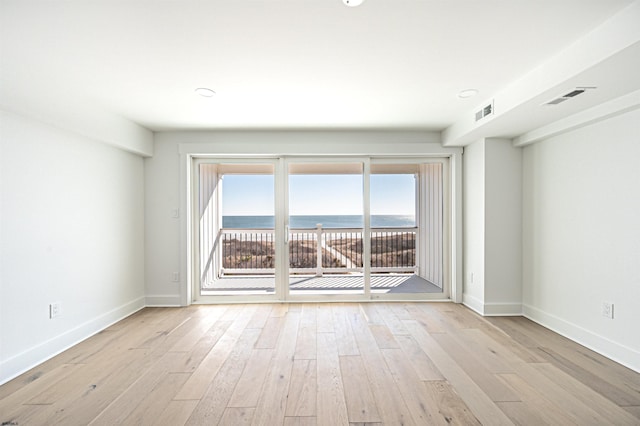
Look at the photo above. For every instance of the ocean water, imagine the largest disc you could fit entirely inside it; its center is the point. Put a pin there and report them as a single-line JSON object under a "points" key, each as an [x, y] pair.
{"points": [[327, 221]]}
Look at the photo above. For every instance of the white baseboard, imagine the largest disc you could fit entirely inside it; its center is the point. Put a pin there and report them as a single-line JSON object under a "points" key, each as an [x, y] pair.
{"points": [[163, 301], [502, 309], [491, 309], [619, 353], [473, 303], [18, 364]]}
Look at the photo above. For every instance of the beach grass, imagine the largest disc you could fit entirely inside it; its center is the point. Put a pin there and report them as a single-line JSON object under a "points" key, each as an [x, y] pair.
{"points": [[386, 251]]}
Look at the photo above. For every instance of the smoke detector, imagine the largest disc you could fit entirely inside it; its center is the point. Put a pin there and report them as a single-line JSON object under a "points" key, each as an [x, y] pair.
{"points": [[205, 92], [352, 3], [569, 95], [467, 93]]}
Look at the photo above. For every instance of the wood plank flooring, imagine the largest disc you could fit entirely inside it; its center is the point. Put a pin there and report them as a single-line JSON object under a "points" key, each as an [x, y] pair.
{"points": [[324, 364]]}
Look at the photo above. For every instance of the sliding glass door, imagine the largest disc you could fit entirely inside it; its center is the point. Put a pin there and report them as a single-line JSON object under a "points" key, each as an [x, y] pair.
{"points": [[325, 227], [312, 228], [406, 228], [236, 235]]}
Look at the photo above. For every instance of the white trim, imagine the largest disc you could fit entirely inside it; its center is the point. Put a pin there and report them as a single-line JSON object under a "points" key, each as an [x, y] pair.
{"points": [[473, 303], [186, 240], [409, 297], [26, 360], [375, 297], [455, 228], [274, 144], [281, 213], [366, 236], [615, 351], [199, 146], [491, 309], [163, 301], [192, 187], [364, 165], [600, 112], [502, 309]]}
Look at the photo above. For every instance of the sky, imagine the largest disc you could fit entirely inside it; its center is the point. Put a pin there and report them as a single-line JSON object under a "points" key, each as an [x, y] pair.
{"points": [[253, 195]]}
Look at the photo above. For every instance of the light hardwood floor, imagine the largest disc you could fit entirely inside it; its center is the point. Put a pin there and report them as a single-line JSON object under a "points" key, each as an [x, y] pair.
{"points": [[323, 364]]}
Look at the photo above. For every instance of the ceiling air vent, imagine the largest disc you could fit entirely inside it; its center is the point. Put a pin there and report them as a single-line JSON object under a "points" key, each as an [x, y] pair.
{"points": [[485, 111], [572, 94]]}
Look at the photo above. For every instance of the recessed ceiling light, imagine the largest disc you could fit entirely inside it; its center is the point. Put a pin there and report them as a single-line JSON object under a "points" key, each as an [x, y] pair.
{"points": [[467, 93], [352, 3], [204, 92]]}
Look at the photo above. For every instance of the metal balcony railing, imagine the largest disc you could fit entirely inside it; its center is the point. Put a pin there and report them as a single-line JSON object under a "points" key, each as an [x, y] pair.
{"points": [[318, 251]]}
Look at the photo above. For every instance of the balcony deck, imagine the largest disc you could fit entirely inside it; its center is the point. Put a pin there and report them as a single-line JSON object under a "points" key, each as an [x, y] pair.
{"points": [[380, 283], [321, 261]]}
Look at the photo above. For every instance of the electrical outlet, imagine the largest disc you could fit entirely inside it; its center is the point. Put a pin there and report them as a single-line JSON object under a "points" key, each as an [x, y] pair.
{"points": [[175, 277], [607, 310], [55, 310]]}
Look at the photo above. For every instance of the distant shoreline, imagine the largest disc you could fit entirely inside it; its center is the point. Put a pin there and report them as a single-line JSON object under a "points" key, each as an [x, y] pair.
{"points": [[327, 221]]}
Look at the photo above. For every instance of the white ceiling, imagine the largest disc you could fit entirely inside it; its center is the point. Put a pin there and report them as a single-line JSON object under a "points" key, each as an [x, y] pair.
{"points": [[284, 64]]}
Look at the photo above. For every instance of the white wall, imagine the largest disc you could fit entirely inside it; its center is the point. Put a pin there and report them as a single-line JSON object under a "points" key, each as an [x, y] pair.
{"points": [[582, 235], [493, 227], [165, 185], [503, 227], [162, 230], [473, 224], [71, 231]]}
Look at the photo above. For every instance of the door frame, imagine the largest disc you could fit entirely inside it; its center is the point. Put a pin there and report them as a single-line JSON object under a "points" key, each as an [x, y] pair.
{"points": [[378, 146], [366, 234], [194, 229]]}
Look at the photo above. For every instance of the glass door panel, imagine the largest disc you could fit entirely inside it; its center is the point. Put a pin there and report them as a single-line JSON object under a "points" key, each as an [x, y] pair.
{"points": [[237, 224], [366, 228], [406, 228], [326, 227]]}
